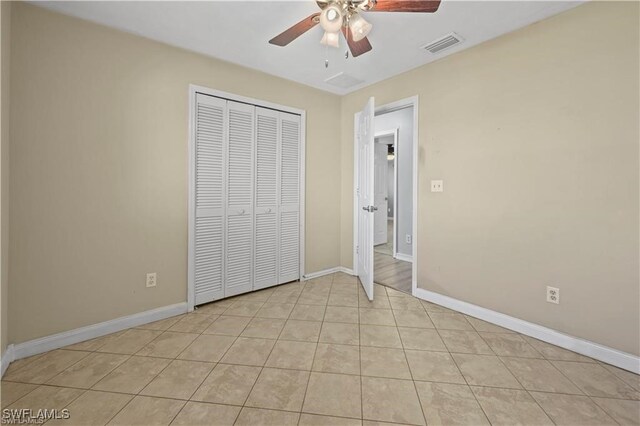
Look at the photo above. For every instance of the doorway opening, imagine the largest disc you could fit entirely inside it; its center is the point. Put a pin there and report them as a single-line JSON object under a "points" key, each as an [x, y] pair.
{"points": [[393, 227], [386, 226]]}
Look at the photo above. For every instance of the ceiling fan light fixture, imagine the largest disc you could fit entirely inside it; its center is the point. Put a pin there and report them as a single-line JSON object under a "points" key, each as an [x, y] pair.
{"points": [[331, 39], [360, 28], [331, 18]]}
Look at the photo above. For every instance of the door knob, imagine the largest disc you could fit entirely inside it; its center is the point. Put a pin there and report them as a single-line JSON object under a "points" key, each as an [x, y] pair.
{"points": [[370, 209]]}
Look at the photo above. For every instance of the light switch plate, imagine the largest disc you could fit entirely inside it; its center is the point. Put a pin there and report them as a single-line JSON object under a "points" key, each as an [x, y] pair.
{"points": [[437, 186]]}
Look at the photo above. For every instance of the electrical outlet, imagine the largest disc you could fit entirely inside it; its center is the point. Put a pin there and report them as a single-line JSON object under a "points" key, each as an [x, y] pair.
{"points": [[407, 238], [553, 295], [151, 279], [437, 186]]}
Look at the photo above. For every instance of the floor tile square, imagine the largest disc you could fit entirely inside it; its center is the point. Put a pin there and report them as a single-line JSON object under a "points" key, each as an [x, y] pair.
{"points": [[144, 410], [228, 325], [317, 420], [380, 336], [265, 328], [244, 309], [343, 299], [333, 395], [193, 323], [93, 408], [162, 325], [307, 312], [432, 307], [391, 400], [331, 358], [510, 344], [132, 375], [341, 314], [168, 345], [447, 321], [628, 377], [207, 347], [45, 367], [129, 342], [378, 302], [258, 416], [88, 371], [553, 352], [572, 409], [539, 375], [377, 317], [249, 351], [279, 389], [11, 392], [227, 384], [405, 303], [179, 380], [313, 299], [486, 327], [594, 380], [384, 362], [485, 370], [346, 334], [450, 404], [433, 367], [466, 342], [510, 407], [623, 411], [421, 339], [413, 318], [50, 397], [292, 355], [275, 310], [94, 344], [205, 414], [304, 331]]}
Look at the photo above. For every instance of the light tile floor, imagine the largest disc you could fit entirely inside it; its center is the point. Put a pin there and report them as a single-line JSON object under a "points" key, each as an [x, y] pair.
{"points": [[319, 353]]}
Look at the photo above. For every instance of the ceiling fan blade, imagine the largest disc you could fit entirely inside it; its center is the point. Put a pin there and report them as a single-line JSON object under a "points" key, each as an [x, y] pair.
{"points": [[357, 47], [295, 31], [424, 6]]}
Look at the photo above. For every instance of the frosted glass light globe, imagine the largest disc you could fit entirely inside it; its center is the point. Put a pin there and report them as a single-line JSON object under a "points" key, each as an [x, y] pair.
{"points": [[331, 19]]}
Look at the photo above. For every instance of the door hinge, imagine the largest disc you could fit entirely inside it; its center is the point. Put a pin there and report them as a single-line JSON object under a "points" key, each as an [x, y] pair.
{"points": [[357, 249]]}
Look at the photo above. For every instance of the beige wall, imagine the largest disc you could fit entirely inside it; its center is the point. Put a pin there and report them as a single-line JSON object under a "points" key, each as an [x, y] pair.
{"points": [[535, 135], [99, 169], [5, 49]]}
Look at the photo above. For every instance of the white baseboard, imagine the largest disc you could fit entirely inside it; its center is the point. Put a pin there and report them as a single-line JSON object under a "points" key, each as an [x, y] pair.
{"points": [[585, 347], [59, 340], [7, 358], [329, 271], [404, 257]]}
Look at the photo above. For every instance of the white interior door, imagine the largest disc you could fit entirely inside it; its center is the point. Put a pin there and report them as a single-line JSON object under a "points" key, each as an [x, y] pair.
{"points": [[210, 182], [366, 206], [289, 195], [266, 211], [380, 194], [240, 182]]}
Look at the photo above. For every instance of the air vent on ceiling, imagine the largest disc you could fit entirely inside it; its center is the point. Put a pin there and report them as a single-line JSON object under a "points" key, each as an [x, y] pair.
{"points": [[443, 43], [344, 81]]}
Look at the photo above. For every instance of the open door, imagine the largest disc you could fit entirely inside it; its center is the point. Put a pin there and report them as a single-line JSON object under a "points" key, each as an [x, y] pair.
{"points": [[365, 192]]}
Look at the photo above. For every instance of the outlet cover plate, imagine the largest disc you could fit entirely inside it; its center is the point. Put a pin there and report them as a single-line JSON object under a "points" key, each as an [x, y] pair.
{"points": [[553, 295], [437, 186], [151, 279]]}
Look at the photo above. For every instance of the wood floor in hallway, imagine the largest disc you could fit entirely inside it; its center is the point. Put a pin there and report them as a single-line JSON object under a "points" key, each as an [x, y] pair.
{"points": [[392, 272]]}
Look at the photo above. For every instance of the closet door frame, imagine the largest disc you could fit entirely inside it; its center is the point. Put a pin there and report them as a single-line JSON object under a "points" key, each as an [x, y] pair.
{"points": [[193, 90]]}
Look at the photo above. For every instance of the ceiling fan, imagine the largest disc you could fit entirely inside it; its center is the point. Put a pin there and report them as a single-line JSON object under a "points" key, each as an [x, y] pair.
{"points": [[344, 15]]}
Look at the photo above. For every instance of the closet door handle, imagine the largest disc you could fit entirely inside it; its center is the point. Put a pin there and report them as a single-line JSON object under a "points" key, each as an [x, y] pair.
{"points": [[268, 210], [241, 211]]}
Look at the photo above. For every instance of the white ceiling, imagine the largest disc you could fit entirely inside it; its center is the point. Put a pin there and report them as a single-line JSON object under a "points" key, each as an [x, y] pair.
{"points": [[238, 32]]}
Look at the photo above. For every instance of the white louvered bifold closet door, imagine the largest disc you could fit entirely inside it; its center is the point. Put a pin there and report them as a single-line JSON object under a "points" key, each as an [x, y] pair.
{"points": [[208, 261], [289, 199], [240, 183], [266, 209]]}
